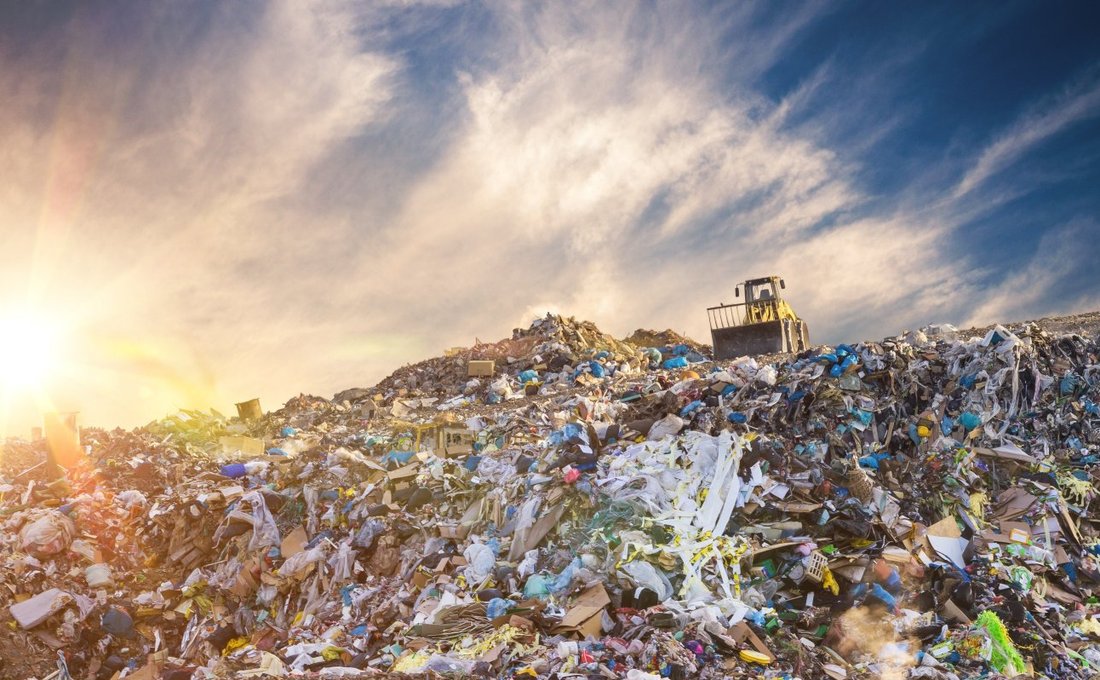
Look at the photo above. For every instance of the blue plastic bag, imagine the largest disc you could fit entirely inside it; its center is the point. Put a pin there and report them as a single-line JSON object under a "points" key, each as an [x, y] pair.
{"points": [[969, 420], [497, 606], [675, 362], [234, 470], [691, 408]]}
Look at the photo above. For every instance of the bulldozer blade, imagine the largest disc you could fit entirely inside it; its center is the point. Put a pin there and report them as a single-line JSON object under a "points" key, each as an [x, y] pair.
{"points": [[769, 337]]}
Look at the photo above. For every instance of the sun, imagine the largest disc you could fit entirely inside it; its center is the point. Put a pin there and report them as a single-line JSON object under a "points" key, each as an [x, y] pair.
{"points": [[27, 345]]}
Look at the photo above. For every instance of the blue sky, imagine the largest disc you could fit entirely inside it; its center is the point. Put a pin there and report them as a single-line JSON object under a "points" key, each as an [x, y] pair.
{"points": [[215, 201]]}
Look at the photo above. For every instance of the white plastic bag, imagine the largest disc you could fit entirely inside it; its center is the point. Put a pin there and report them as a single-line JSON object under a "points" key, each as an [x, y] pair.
{"points": [[48, 534], [665, 427], [646, 575], [265, 533], [480, 562]]}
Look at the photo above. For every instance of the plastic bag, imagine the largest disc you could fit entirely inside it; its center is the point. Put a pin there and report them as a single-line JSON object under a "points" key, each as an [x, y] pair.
{"points": [[481, 560], [646, 575], [665, 427], [675, 362], [265, 533], [131, 498], [342, 563], [498, 606], [529, 564], [536, 586], [563, 580], [297, 563], [48, 534], [364, 538], [449, 665]]}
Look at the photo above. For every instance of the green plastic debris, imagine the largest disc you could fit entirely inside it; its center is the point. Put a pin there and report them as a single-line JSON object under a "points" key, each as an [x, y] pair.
{"points": [[1005, 658]]}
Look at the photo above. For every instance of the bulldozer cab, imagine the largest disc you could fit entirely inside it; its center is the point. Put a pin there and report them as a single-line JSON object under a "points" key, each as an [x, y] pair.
{"points": [[763, 301], [763, 324]]}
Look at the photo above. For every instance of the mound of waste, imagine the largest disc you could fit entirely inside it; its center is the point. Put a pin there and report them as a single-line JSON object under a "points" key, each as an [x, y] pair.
{"points": [[564, 504]]}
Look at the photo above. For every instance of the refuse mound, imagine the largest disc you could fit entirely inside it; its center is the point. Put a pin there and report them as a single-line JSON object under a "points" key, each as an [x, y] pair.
{"points": [[553, 342], [643, 338], [918, 507]]}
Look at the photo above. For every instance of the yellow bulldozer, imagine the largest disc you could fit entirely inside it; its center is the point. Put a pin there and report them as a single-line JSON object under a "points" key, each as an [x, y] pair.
{"points": [[763, 324]]}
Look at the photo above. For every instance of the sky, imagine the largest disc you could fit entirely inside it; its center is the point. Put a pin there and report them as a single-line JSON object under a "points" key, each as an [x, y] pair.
{"points": [[207, 202]]}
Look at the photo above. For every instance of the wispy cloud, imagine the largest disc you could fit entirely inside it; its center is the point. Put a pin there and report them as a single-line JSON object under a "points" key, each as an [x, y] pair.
{"points": [[1076, 103], [1053, 281]]}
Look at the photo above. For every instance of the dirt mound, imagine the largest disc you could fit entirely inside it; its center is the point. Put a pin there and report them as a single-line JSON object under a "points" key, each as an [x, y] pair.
{"points": [[643, 338]]}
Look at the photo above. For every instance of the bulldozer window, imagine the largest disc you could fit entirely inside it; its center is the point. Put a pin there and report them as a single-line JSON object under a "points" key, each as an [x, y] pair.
{"points": [[760, 291]]}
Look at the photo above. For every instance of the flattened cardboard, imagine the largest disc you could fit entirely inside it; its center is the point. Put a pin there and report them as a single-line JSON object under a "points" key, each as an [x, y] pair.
{"points": [[741, 633], [294, 542], [1012, 503], [951, 612], [453, 531], [536, 533], [246, 583], [403, 473], [584, 616], [249, 446], [42, 606]]}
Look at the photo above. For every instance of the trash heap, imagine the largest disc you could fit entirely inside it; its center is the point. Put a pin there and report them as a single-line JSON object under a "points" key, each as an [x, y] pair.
{"points": [[919, 507]]}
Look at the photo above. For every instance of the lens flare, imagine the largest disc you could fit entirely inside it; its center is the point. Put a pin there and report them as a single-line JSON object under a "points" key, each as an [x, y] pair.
{"points": [[27, 347]]}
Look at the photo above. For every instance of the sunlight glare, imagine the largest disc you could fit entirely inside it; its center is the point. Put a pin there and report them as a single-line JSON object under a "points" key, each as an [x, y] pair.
{"points": [[27, 347]]}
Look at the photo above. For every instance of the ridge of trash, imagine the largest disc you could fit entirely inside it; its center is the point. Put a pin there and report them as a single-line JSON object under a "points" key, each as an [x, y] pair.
{"points": [[565, 504]]}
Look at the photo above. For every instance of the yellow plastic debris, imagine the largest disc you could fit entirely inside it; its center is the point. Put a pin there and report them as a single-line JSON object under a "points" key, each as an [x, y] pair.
{"points": [[753, 656], [234, 644]]}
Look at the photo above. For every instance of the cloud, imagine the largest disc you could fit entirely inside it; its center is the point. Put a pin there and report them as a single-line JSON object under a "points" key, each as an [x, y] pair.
{"points": [[141, 200], [298, 196], [1053, 281], [1079, 101], [585, 158]]}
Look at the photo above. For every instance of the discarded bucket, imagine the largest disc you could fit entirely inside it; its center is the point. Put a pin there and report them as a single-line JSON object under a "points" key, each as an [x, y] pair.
{"points": [[250, 410]]}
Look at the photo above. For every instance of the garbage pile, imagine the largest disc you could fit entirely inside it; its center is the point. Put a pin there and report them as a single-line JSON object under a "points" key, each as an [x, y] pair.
{"points": [[562, 504]]}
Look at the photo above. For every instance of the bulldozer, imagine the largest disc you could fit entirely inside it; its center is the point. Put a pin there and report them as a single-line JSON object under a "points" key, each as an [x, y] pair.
{"points": [[763, 324]]}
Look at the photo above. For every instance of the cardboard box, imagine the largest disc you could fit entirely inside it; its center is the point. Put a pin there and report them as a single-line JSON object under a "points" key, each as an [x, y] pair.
{"points": [[478, 368], [454, 441]]}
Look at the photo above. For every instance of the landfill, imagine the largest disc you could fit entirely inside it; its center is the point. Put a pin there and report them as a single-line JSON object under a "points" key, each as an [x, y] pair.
{"points": [[563, 504]]}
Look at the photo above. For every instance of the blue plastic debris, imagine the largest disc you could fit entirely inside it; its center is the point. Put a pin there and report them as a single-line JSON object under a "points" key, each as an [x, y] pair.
{"points": [[969, 420], [691, 408], [234, 470], [675, 362]]}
